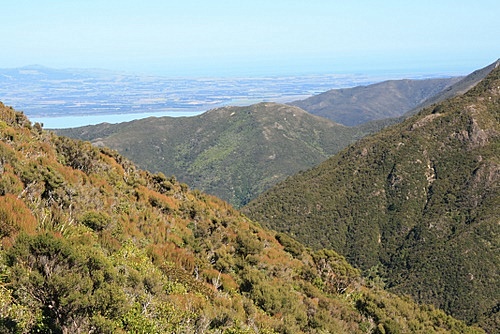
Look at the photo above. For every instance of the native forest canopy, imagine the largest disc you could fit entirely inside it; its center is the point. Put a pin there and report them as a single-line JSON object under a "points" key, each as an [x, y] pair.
{"points": [[415, 206]]}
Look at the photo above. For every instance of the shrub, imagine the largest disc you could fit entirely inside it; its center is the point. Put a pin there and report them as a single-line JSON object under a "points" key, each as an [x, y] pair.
{"points": [[96, 221]]}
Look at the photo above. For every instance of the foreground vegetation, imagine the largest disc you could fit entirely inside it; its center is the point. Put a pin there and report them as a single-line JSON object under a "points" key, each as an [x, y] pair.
{"points": [[89, 244], [415, 206]]}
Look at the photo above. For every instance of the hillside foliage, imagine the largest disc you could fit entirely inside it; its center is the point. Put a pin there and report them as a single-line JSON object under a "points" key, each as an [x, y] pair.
{"points": [[415, 206], [234, 153], [91, 244]]}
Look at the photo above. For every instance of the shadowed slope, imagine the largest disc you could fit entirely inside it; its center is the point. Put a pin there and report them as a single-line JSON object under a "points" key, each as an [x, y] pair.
{"points": [[416, 204]]}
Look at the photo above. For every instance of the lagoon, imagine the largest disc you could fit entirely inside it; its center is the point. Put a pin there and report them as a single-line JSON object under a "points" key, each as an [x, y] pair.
{"points": [[60, 122]]}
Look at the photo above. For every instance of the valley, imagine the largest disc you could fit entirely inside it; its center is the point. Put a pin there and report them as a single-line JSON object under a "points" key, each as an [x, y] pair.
{"points": [[374, 228], [250, 167]]}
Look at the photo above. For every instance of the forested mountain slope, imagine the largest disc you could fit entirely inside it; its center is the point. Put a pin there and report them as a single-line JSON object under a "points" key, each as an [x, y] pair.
{"points": [[89, 243], [387, 99], [234, 153], [416, 205]]}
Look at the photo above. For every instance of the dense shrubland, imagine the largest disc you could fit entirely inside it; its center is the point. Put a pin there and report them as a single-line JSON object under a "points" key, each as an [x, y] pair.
{"points": [[89, 244]]}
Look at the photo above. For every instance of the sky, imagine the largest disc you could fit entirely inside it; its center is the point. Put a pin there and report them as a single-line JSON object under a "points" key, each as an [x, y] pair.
{"points": [[257, 37]]}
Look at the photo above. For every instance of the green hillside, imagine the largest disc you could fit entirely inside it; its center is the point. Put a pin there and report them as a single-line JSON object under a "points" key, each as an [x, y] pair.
{"points": [[91, 244], [415, 206], [387, 99], [234, 153]]}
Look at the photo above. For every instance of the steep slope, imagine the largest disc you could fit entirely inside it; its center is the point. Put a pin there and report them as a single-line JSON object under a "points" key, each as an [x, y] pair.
{"points": [[88, 243], [416, 204], [234, 153], [358, 105], [458, 88]]}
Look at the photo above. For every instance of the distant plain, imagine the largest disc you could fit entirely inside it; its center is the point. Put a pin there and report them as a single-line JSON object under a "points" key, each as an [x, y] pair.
{"points": [[62, 98]]}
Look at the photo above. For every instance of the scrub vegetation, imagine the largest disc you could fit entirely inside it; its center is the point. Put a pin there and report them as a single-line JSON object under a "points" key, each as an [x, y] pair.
{"points": [[90, 243]]}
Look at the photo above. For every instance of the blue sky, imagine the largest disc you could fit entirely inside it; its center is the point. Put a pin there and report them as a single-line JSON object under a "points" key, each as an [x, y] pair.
{"points": [[218, 37]]}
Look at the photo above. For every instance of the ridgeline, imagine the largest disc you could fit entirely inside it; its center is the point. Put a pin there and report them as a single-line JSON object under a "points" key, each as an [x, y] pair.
{"points": [[234, 153], [387, 99]]}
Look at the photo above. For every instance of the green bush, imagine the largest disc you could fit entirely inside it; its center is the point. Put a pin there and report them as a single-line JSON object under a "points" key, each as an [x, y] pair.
{"points": [[96, 221]]}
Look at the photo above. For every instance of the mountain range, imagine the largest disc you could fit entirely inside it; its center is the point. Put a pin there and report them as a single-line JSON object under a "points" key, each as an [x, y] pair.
{"points": [[387, 99], [415, 206], [236, 153], [91, 244]]}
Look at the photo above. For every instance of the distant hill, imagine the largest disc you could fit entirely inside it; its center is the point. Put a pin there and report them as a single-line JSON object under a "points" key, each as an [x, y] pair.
{"points": [[458, 88], [416, 205], [234, 153], [358, 105], [91, 244]]}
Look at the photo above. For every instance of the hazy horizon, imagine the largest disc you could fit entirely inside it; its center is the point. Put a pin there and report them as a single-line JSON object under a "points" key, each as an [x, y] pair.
{"points": [[223, 38]]}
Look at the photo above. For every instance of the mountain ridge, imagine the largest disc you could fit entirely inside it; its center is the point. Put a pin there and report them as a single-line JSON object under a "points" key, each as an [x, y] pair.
{"points": [[361, 104], [232, 152], [415, 205], [459, 88]]}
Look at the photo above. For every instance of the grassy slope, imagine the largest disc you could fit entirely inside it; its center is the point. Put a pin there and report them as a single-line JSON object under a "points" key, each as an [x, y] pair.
{"points": [[416, 205], [234, 153], [89, 243]]}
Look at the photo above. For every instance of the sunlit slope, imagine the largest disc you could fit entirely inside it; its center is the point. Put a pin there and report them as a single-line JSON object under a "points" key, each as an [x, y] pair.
{"points": [[234, 153]]}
